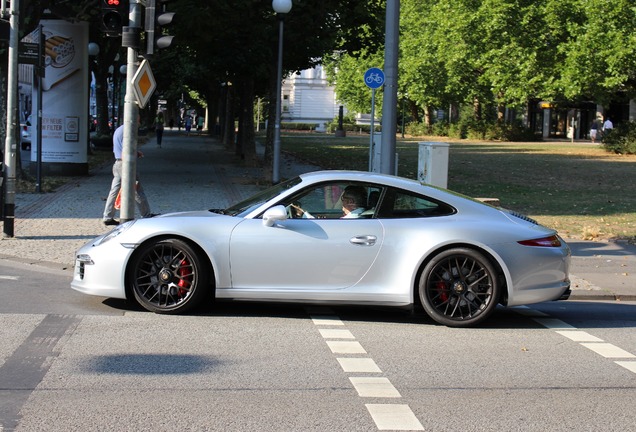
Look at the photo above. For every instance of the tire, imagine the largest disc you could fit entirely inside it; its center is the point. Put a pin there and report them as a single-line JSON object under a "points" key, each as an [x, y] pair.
{"points": [[168, 277], [459, 288]]}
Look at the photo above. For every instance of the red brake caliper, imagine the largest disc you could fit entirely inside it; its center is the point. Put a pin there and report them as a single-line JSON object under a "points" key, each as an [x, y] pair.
{"points": [[441, 287], [184, 282]]}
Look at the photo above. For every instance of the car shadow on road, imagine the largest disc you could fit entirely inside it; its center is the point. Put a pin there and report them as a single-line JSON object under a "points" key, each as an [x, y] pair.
{"points": [[585, 314]]}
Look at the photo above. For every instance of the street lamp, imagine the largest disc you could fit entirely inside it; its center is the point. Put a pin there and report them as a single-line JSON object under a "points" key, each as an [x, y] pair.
{"points": [[281, 7], [93, 49]]}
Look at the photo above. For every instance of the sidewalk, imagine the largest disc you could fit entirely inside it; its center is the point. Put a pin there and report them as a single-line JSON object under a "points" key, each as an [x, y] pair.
{"points": [[196, 172]]}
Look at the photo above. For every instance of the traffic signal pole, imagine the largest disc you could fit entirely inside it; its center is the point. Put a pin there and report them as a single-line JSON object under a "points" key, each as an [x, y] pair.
{"points": [[131, 125], [11, 146]]}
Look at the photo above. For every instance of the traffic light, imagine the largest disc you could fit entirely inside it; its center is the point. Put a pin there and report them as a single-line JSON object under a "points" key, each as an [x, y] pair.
{"points": [[157, 17], [114, 15]]}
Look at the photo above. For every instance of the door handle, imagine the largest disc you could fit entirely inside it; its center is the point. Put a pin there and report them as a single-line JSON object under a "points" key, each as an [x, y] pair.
{"points": [[365, 240]]}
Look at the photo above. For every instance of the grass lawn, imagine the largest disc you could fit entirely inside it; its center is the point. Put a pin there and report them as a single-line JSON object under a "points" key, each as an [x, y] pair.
{"points": [[577, 188]]}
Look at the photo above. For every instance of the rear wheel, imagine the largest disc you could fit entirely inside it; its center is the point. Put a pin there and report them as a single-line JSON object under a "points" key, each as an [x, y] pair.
{"points": [[459, 288], [167, 276]]}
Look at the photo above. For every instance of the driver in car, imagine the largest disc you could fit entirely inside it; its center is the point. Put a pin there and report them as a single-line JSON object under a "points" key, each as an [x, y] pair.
{"points": [[352, 199]]}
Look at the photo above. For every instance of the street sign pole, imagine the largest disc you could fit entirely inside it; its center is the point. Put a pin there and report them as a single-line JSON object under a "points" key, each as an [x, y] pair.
{"points": [[389, 103], [374, 79], [372, 130], [131, 126]]}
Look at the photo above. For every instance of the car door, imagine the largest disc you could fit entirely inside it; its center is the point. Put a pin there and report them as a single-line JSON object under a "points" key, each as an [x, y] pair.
{"points": [[303, 254]]}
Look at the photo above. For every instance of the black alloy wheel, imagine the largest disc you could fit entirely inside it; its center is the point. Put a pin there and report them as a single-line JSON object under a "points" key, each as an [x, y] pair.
{"points": [[459, 288], [167, 276]]}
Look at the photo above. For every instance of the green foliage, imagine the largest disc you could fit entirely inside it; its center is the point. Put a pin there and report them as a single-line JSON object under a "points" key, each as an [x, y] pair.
{"points": [[503, 52], [476, 130], [298, 126], [622, 139]]}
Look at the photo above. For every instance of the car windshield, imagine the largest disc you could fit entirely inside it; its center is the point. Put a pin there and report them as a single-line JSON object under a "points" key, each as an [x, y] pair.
{"points": [[246, 206]]}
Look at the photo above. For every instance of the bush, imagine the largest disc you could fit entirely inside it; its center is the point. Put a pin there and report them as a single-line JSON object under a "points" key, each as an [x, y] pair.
{"points": [[298, 126], [417, 129], [509, 132], [457, 130], [440, 128], [621, 140]]}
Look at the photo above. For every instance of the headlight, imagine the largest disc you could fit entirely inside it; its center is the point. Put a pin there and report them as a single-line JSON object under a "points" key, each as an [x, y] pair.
{"points": [[114, 233]]}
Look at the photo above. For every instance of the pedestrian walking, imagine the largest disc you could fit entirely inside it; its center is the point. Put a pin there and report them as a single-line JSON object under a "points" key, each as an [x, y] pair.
{"points": [[594, 130], [188, 124], [200, 122], [607, 126], [140, 197], [159, 120]]}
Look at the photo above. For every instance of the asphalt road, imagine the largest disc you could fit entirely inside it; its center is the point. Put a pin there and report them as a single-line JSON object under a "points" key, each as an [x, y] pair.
{"points": [[74, 362]]}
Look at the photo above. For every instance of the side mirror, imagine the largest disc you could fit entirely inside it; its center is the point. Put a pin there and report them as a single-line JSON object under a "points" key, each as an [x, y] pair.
{"points": [[273, 215]]}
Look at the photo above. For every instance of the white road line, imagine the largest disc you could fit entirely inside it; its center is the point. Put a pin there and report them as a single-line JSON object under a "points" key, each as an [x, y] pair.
{"points": [[394, 417], [579, 336], [5, 277], [554, 324], [374, 387], [526, 311], [338, 347], [629, 365], [336, 334], [326, 320], [589, 341], [358, 365], [385, 416], [608, 350]]}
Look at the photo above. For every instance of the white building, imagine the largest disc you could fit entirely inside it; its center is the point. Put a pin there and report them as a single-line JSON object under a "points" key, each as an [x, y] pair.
{"points": [[308, 98]]}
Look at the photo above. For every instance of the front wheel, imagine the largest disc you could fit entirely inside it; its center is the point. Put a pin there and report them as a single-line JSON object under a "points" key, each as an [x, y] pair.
{"points": [[167, 276], [459, 288]]}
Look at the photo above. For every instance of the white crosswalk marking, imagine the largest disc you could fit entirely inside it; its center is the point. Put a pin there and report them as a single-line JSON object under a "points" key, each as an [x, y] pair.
{"points": [[608, 350], [336, 334], [358, 365], [374, 387], [394, 417], [385, 416], [338, 347]]}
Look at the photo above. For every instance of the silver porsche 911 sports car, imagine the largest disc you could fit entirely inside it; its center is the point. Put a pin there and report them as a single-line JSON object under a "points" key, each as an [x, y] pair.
{"points": [[334, 237]]}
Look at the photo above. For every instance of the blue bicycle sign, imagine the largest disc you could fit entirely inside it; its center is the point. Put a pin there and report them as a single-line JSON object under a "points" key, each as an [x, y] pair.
{"points": [[374, 78]]}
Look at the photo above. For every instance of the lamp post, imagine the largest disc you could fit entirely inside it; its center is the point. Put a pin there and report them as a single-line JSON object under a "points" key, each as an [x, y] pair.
{"points": [[281, 7]]}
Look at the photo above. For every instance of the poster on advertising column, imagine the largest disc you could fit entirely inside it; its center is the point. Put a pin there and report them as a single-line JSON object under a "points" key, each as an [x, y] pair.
{"points": [[64, 97]]}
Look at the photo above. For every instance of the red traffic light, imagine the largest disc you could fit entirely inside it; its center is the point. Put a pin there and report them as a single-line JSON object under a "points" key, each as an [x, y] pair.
{"points": [[113, 16]]}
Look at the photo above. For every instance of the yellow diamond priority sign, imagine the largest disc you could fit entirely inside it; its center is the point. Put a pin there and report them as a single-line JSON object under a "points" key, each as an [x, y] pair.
{"points": [[144, 83]]}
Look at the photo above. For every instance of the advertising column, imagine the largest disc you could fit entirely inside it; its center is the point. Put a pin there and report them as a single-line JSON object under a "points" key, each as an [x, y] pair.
{"points": [[64, 98]]}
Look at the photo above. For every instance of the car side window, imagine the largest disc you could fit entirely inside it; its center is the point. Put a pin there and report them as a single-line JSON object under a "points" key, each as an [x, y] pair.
{"points": [[336, 200], [401, 204]]}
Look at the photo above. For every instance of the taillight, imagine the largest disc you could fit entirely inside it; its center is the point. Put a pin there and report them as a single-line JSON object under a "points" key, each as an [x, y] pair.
{"points": [[552, 241]]}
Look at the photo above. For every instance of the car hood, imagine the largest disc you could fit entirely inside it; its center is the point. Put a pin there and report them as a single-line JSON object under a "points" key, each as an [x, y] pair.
{"points": [[195, 213]]}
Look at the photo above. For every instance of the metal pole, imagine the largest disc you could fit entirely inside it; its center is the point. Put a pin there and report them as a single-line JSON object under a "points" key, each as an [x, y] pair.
{"points": [[10, 148], [389, 103], [279, 84], [131, 126], [372, 130], [38, 130]]}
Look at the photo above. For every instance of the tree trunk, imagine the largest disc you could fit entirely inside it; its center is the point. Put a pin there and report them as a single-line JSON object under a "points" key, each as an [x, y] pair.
{"points": [[269, 139], [477, 109], [228, 134], [415, 112], [246, 123]]}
